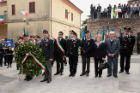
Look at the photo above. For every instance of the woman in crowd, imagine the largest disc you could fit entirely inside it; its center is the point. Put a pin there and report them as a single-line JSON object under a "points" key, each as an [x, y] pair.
{"points": [[99, 55]]}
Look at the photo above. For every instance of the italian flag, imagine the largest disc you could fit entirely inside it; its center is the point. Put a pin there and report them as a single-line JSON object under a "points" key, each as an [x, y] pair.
{"points": [[24, 12], [103, 35], [2, 0], [1, 19], [118, 10], [107, 35]]}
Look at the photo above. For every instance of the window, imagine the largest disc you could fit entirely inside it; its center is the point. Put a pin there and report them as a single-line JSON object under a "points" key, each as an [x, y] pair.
{"points": [[32, 7], [66, 14], [71, 16], [13, 10]]}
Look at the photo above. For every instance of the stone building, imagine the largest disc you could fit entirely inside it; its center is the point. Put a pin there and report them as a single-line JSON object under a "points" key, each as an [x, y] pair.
{"points": [[53, 15]]}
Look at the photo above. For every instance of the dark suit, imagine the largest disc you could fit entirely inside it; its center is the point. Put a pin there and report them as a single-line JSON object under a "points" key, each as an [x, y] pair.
{"points": [[138, 44], [1, 54], [59, 55], [126, 49], [47, 47], [113, 47], [100, 51], [72, 53], [9, 55], [86, 52]]}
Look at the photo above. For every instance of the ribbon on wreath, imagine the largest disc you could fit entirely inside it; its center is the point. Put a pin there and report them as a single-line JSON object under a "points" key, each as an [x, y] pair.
{"points": [[34, 58]]}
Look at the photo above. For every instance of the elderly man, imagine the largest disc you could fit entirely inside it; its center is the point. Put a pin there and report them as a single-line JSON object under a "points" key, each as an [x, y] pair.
{"points": [[113, 46]]}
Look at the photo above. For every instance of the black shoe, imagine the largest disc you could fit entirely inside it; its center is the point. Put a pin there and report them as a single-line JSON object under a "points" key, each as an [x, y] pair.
{"points": [[49, 80], [73, 75], [121, 72], [109, 75], [82, 74], [87, 74], [56, 73], [25, 78], [61, 73], [127, 72], [100, 76], [70, 75], [115, 76], [96, 76], [43, 80]]}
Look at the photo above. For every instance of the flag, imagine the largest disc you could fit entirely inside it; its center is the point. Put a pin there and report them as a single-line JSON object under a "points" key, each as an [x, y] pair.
{"points": [[24, 32], [107, 35], [103, 35], [25, 13], [120, 32], [98, 31], [90, 36], [118, 10], [82, 34], [69, 35], [1, 19], [2, 1]]}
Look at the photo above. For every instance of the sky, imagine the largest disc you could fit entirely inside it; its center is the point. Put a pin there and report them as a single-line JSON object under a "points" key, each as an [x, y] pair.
{"points": [[84, 5]]}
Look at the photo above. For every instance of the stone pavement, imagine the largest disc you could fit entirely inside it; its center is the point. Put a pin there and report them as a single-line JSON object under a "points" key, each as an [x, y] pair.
{"points": [[9, 82]]}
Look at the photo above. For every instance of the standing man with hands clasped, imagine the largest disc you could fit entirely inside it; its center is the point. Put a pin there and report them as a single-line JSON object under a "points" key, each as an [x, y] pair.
{"points": [[48, 51], [86, 47], [59, 54], [113, 46]]}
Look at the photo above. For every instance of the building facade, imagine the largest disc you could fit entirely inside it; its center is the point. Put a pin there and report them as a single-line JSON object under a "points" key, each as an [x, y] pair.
{"points": [[53, 15]]}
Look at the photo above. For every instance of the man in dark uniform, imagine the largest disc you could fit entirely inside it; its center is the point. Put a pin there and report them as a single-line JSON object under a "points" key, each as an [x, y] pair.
{"points": [[138, 43], [48, 51], [86, 49], [1, 53], [72, 52], [59, 52], [4, 50], [127, 42]]}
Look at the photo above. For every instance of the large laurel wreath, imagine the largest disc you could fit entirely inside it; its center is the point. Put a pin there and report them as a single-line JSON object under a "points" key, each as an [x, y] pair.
{"points": [[30, 67]]}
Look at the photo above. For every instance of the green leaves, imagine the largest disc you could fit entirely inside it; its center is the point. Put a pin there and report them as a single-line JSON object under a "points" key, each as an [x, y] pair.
{"points": [[30, 67]]}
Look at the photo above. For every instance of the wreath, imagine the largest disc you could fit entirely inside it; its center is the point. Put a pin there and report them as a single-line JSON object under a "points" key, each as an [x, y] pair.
{"points": [[26, 56]]}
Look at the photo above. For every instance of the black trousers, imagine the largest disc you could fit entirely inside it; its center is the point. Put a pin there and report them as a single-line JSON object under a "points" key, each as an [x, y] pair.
{"points": [[1, 62], [9, 60], [59, 65], [5, 60], [138, 49], [85, 64], [97, 63], [125, 62], [73, 60]]}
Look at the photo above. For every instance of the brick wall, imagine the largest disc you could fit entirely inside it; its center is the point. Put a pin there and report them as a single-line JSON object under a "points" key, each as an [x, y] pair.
{"points": [[116, 24], [3, 31]]}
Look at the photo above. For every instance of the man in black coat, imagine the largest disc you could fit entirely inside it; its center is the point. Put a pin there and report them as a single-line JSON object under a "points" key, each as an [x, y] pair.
{"points": [[59, 53], [47, 47], [86, 48], [127, 42], [3, 50], [1, 53], [138, 43], [72, 52]]}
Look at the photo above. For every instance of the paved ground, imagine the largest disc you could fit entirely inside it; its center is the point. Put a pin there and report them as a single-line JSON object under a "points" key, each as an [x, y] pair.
{"points": [[9, 82]]}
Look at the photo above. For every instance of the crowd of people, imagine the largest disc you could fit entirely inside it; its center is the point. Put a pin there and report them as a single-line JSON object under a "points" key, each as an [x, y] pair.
{"points": [[126, 11], [58, 49]]}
